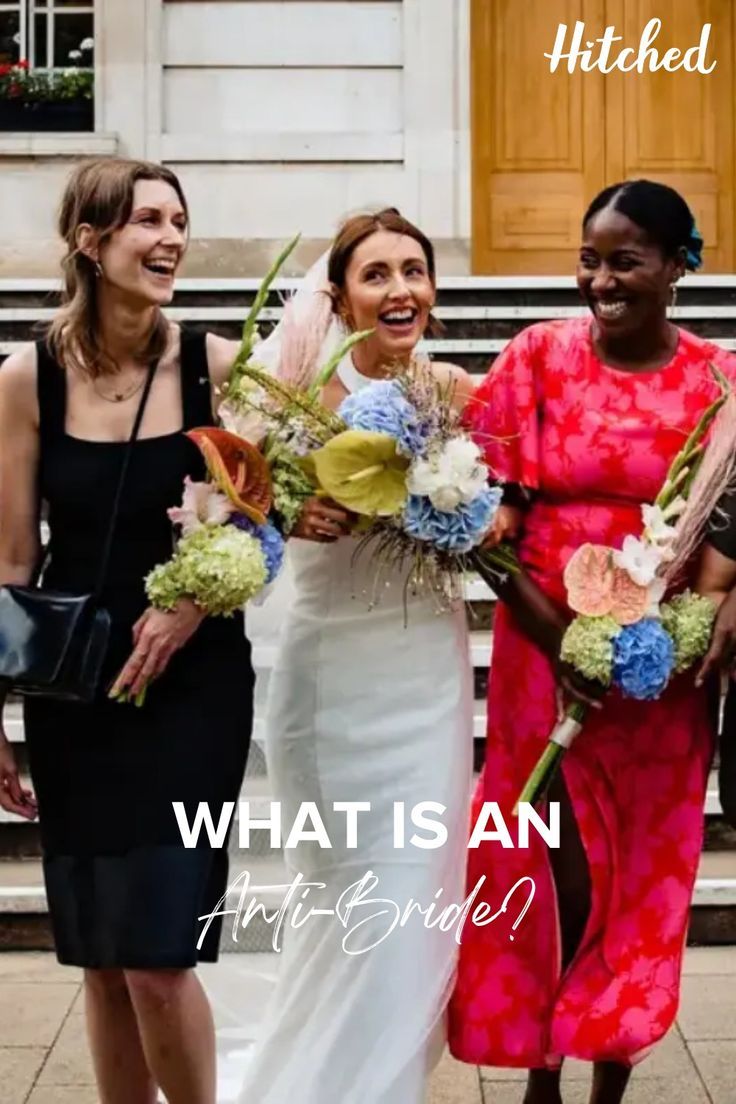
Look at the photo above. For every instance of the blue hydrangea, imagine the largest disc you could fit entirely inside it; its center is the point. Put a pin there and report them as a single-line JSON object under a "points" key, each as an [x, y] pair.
{"points": [[382, 407], [451, 531], [272, 543], [643, 659]]}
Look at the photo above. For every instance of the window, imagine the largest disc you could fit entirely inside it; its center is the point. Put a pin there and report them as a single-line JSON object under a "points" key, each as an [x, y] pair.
{"points": [[47, 65], [49, 34]]}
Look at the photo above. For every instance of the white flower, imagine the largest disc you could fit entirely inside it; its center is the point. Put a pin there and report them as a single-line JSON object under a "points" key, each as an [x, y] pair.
{"points": [[16, 38], [201, 504], [656, 594], [248, 424], [675, 508], [656, 529], [639, 559], [87, 44], [75, 55], [451, 475]]}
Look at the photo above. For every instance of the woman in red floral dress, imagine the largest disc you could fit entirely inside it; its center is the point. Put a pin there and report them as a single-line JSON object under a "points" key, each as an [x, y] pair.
{"points": [[585, 416]]}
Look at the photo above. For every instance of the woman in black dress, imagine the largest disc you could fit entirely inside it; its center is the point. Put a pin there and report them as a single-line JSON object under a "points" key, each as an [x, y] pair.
{"points": [[718, 579], [124, 893]]}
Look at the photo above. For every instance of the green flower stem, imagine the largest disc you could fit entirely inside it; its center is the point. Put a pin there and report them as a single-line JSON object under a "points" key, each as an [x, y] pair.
{"points": [[691, 454], [539, 781], [492, 562], [541, 777], [332, 364], [245, 351]]}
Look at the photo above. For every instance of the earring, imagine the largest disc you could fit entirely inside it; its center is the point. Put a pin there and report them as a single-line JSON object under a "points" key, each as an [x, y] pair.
{"points": [[98, 270], [673, 299]]}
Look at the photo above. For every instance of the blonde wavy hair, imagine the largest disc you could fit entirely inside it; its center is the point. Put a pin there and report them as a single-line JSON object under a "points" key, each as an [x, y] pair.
{"points": [[99, 193]]}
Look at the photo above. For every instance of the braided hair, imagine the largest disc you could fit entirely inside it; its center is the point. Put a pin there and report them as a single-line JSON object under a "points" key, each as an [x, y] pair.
{"points": [[660, 212]]}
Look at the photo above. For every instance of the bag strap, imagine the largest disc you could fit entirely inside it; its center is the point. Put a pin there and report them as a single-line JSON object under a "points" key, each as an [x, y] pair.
{"points": [[112, 525]]}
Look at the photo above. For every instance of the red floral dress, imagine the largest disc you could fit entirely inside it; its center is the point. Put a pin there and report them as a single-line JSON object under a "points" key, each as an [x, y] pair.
{"points": [[592, 443]]}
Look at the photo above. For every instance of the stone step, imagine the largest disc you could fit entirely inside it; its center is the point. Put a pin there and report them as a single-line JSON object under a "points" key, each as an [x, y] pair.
{"points": [[472, 353], [480, 315], [14, 730], [488, 290], [24, 922], [11, 316]]}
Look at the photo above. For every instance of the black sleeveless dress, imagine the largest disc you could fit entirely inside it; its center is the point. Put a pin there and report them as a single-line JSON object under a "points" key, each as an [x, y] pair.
{"points": [[722, 536], [123, 891]]}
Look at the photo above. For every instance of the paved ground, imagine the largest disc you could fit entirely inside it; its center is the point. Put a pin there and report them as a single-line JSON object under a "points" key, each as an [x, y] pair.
{"points": [[43, 1053]]}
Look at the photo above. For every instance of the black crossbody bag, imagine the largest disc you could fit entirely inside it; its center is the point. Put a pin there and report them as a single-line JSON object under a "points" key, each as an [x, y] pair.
{"points": [[53, 643]]}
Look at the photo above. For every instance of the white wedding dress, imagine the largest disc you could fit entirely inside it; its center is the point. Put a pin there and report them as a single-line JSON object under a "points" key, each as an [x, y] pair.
{"points": [[365, 705]]}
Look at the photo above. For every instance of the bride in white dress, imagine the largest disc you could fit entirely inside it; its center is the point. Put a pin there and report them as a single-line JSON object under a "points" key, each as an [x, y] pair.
{"points": [[370, 705]]}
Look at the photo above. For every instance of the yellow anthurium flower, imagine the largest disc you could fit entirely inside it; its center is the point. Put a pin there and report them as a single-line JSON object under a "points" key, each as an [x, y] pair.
{"points": [[361, 471]]}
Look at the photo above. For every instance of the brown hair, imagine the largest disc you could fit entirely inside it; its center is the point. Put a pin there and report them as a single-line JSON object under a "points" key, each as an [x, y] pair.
{"points": [[98, 192], [354, 231]]}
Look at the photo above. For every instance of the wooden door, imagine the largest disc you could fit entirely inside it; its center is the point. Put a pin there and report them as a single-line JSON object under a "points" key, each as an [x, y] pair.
{"points": [[678, 128], [538, 137], [544, 143]]}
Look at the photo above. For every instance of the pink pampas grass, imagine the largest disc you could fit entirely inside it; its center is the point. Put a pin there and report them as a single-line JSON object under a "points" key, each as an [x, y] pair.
{"points": [[715, 476], [302, 336]]}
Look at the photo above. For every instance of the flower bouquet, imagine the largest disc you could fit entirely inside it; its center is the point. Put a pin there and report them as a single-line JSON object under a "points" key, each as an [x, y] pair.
{"points": [[395, 454], [624, 635], [228, 549]]}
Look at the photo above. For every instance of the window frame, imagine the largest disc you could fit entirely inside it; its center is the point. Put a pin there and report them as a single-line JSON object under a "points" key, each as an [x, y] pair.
{"points": [[27, 11]]}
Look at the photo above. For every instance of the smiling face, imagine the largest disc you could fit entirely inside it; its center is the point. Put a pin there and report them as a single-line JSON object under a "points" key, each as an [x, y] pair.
{"points": [[624, 278], [389, 289], [141, 258]]}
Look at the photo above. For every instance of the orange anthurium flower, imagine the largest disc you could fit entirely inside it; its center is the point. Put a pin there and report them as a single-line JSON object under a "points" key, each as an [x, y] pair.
{"points": [[240, 471]]}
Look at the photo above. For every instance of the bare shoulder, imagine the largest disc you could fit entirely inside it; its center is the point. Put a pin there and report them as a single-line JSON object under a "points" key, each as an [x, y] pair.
{"points": [[456, 378], [220, 356], [18, 379]]}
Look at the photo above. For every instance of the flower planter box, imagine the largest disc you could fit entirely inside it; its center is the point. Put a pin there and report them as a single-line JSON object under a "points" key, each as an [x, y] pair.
{"points": [[58, 115]]}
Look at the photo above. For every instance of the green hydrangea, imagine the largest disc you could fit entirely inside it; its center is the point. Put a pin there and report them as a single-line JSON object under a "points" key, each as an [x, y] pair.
{"points": [[689, 618], [291, 488], [219, 566], [588, 647]]}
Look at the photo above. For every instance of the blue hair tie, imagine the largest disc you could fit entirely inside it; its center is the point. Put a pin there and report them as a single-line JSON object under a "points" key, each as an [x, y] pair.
{"points": [[695, 249]]}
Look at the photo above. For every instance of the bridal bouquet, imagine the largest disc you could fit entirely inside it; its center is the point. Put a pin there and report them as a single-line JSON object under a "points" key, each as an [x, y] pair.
{"points": [[624, 635], [395, 454]]}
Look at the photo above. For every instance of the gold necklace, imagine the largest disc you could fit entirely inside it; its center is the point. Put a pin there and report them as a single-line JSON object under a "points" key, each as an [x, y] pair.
{"points": [[119, 396]]}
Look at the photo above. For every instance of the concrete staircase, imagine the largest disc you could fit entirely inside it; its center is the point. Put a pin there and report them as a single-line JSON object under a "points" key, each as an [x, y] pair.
{"points": [[480, 316]]}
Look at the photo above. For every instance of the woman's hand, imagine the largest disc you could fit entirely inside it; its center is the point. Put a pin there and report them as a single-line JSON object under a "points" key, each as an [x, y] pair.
{"points": [[544, 624], [322, 520], [157, 635], [506, 526], [722, 650], [13, 798], [571, 684]]}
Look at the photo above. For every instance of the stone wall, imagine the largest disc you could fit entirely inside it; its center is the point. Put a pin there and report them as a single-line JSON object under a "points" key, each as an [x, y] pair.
{"points": [[278, 116]]}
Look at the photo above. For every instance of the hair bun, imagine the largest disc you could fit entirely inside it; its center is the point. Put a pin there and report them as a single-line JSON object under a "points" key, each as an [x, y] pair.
{"points": [[694, 246]]}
